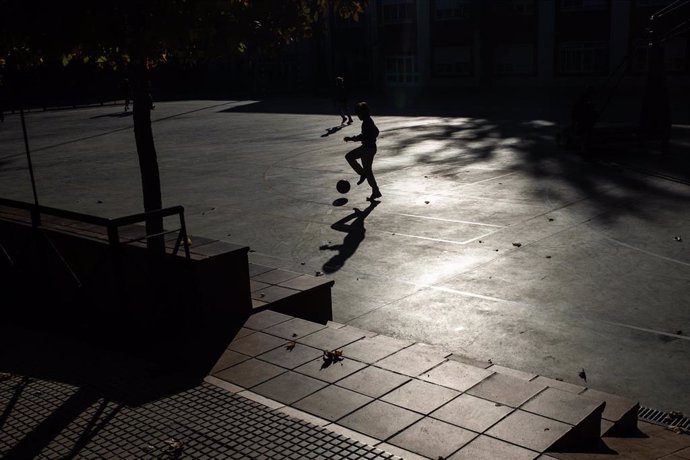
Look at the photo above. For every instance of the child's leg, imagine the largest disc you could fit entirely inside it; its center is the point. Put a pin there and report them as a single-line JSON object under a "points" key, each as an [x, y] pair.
{"points": [[367, 162], [352, 157]]}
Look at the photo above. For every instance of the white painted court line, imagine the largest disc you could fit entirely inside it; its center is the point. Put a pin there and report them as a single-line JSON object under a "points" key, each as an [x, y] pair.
{"points": [[448, 220], [440, 240], [644, 329]]}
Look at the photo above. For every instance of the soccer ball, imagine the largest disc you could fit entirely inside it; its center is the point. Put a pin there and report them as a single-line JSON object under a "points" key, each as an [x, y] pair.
{"points": [[343, 186]]}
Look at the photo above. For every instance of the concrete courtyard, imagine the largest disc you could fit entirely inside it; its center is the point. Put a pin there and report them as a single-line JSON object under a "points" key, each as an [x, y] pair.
{"points": [[489, 240]]}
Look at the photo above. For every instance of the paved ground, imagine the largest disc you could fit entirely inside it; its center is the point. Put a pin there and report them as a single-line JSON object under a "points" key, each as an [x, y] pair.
{"points": [[598, 282], [52, 420]]}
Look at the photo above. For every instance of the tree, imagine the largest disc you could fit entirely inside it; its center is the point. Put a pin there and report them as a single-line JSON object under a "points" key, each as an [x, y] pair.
{"points": [[139, 35]]}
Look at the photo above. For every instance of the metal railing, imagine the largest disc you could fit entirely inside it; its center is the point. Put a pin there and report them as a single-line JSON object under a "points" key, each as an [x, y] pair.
{"points": [[111, 226]]}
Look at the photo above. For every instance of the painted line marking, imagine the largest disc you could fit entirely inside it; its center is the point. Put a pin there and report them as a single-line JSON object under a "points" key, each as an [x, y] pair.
{"points": [[449, 220], [440, 240], [644, 329]]}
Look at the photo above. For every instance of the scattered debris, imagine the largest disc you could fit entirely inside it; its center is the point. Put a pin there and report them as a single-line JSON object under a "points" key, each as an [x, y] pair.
{"points": [[678, 238], [175, 446], [498, 405], [290, 345], [547, 429], [583, 375], [678, 429], [480, 241], [148, 448], [331, 357], [318, 274], [262, 295], [426, 202], [426, 177], [496, 250], [490, 362], [673, 416], [559, 379], [517, 245], [548, 257], [99, 202], [252, 250], [301, 263], [188, 242], [294, 335], [550, 219], [679, 332]]}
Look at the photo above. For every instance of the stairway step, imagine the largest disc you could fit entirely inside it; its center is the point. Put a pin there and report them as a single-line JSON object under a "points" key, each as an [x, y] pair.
{"points": [[295, 294], [620, 413], [583, 414]]}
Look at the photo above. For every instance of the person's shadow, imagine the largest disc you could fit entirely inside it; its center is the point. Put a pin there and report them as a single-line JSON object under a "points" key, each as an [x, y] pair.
{"points": [[332, 130], [355, 235]]}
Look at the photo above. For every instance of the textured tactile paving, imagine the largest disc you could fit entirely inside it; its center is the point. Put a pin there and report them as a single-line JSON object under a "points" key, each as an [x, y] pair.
{"points": [[203, 422]]}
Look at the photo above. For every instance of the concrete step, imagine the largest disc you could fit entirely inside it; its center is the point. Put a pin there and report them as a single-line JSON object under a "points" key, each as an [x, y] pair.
{"points": [[412, 396], [295, 294]]}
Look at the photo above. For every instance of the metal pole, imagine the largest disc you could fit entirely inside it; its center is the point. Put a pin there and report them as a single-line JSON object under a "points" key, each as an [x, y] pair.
{"points": [[35, 215]]}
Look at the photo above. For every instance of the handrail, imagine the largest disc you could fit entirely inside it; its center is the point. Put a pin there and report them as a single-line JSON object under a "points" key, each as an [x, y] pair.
{"points": [[111, 225]]}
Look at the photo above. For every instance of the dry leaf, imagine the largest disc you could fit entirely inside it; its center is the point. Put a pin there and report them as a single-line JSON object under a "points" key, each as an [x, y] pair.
{"points": [[290, 345]]}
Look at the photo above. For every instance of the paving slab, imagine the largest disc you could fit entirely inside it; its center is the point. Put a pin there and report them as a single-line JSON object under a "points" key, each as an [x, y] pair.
{"points": [[458, 376], [331, 339], [561, 385], [288, 387], [372, 349], [473, 413], [332, 403], [420, 396], [227, 359], [265, 319], [291, 357], [432, 438], [561, 405], [529, 431], [380, 420], [250, 373], [294, 328], [506, 390], [486, 448], [373, 381], [413, 360], [256, 344], [330, 371]]}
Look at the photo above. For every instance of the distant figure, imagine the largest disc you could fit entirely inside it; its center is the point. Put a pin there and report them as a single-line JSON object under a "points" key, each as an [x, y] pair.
{"points": [[584, 115], [126, 92], [341, 99], [366, 151]]}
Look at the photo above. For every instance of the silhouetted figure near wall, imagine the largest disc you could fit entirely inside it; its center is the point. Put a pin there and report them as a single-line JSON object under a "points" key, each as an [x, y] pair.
{"points": [[126, 92], [366, 151], [584, 115], [341, 99]]}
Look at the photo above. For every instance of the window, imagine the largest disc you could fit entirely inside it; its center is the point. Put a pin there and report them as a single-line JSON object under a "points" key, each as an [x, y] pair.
{"points": [[453, 61], [522, 6], [582, 57], [401, 70], [674, 56], [584, 5], [452, 9], [398, 11], [514, 59]]}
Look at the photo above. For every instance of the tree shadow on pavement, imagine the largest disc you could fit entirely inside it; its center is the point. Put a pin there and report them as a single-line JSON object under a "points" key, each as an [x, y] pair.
{"points": [[448, 145], [353, 226]]}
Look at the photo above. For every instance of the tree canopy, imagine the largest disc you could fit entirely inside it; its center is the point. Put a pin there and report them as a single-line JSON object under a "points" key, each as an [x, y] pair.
{"points": [[117, 32]]}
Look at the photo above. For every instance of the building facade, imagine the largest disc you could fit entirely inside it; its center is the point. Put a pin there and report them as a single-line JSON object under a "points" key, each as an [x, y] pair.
{"points": [[437, 43]]}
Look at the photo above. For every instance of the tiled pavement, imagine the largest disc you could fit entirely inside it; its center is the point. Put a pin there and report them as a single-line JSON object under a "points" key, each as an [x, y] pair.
{"points": [[49, 420], [416, 400]]}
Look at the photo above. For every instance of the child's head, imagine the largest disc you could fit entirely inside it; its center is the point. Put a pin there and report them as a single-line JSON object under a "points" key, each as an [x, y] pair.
{"points": [[362, 110]]}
